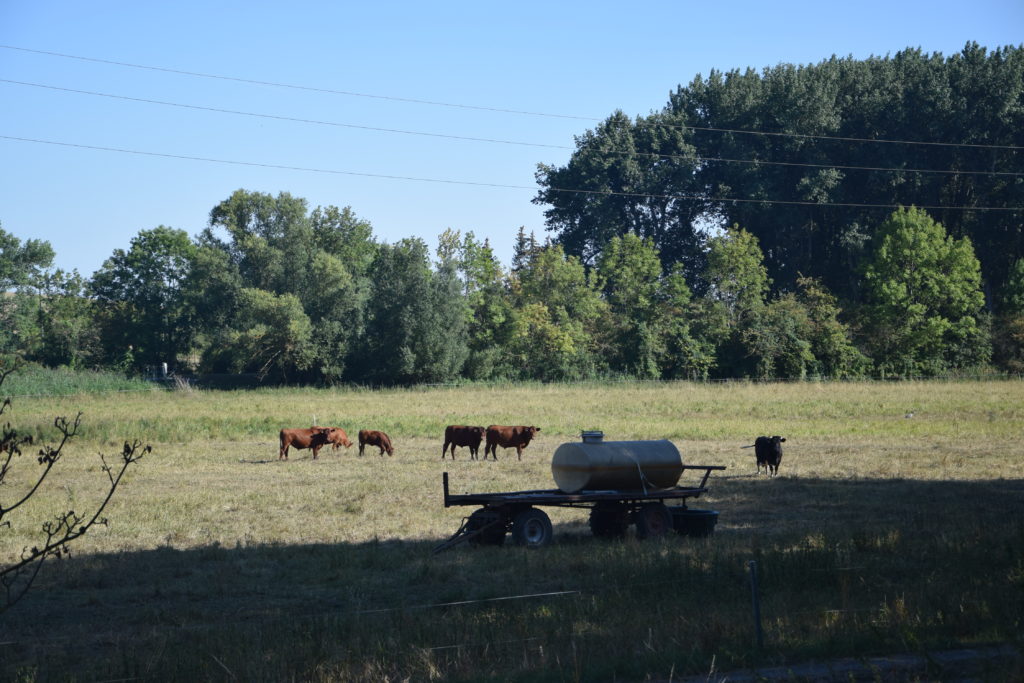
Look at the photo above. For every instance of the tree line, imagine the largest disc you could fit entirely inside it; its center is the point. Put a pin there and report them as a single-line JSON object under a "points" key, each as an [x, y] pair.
{"points": [[293, 295], [757, 226]]}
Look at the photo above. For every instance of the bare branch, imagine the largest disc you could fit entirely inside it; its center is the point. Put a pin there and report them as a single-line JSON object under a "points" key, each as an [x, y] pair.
{"points": [[64, 528]]}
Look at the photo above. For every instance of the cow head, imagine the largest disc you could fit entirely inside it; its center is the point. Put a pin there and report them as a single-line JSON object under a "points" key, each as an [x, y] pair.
{"points": [[530, 432]]}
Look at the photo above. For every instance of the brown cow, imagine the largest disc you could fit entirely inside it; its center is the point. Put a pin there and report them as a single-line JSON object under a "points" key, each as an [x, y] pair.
{"points": [[314, 437], [508, 437], [338, 437], [461, 435], [375, 438]]}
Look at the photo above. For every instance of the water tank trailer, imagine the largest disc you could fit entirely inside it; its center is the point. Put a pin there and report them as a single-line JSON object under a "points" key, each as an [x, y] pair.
{"points": [[621, 482]]}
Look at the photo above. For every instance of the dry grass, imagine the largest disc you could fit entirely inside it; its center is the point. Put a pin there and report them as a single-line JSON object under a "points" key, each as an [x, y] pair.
{"points": [[883, 532]]}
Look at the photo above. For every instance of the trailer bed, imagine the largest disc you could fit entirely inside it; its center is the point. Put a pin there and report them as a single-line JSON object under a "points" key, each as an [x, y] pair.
{"points": [[517, 511], [559, 498]]}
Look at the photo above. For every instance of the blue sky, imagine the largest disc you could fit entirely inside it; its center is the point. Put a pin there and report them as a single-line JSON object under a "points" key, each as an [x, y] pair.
{"points": [[580, 60]]}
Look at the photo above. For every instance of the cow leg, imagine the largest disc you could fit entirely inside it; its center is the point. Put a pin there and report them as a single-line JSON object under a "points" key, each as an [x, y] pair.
{"points": [[361, 447], [519, 453], [444, 450], [316, 451]]}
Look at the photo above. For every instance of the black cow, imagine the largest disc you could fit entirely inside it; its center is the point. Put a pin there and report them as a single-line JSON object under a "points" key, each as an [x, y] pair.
{"points": [[768, 451]]}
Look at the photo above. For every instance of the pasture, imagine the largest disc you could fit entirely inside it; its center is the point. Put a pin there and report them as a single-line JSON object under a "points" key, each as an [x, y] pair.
{"points": [[882, 534]]}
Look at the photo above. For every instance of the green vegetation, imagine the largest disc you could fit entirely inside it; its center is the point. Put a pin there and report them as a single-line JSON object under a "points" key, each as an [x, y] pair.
{"points": [[884, 533], [34, 380], [755, 227]]}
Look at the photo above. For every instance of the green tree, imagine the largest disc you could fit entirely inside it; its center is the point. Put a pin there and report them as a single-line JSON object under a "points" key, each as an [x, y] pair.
{"points": [[629, 273], [69, 334], [323, 258], [789, 152], [925, 297], [624, 177], [1008, 335], [560, 319], [832, 346], [22, 273], [22, 264], [487, 304], [416, 325], [143, 312], [271, 336], [736, 276]]}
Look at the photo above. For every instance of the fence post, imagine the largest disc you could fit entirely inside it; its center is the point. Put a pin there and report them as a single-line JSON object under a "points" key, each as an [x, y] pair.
{"points": [[756, 600]]}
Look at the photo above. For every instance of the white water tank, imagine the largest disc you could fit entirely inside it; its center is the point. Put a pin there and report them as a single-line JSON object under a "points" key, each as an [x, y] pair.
{"points": [[594, 464]]}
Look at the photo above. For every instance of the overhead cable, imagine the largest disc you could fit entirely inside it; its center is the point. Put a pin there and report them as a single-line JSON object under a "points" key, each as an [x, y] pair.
{"points": [[251, 81], [609, 193], [498, 109], [673, 157]]}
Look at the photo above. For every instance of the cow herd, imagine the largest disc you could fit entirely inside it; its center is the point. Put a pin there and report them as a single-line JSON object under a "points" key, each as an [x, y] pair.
{"points": [[315, 438], [767, 449]]}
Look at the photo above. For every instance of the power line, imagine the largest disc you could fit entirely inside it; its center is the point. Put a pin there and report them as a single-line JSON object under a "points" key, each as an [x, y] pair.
{"points": [[296, 87], [281, 118], [610, 193], [673, 157], [498, 109]]}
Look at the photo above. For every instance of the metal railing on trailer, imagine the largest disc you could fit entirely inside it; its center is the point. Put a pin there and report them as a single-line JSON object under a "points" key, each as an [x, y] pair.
{"points": [[611, 512]]}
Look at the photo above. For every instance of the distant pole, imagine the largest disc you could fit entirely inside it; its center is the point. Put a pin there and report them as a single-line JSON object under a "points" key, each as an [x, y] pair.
{"points": [[756, 599]]}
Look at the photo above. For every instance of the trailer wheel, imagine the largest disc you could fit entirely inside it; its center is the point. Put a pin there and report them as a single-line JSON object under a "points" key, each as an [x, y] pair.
{"points": [[532, 528], [493, 534], [653, 520], [609, 520]]}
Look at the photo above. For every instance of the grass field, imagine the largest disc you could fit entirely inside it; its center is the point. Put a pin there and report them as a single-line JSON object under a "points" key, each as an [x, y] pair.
{"points": [[883, 533]]}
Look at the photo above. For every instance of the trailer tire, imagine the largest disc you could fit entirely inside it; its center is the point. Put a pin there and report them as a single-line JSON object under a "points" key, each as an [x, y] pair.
{"points": [[653, 520], [609, 520], [532, 528], [494, 534]]}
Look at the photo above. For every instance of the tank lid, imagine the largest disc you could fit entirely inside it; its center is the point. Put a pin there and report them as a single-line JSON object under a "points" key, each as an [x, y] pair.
{"points": [[592, 436]]}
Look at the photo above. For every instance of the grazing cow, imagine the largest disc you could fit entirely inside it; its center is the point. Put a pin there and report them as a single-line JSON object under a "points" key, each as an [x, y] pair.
{"points": [[461, 435], [768, 451], [375, 438], [508, 437], [314, 437], [338, 437]]}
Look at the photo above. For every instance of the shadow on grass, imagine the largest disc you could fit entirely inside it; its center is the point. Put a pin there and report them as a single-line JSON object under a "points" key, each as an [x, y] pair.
{"points": [[937, 544]]}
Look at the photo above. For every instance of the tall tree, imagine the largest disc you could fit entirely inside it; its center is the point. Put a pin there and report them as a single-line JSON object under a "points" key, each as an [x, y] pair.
{"points": [[323, 258], [22, 264], [627, 176], [487, 304], [67, 322], [629, 273], [926, 298], [141, 297], [808, 158], [270, 336], [559, 319], [22, 269], [416, 324]]}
